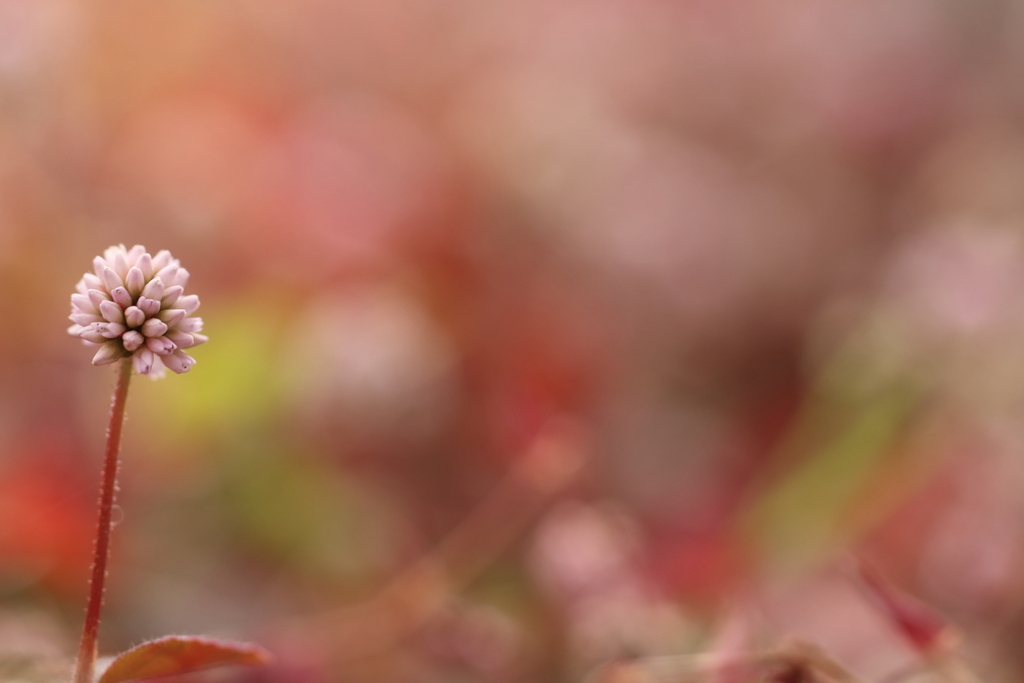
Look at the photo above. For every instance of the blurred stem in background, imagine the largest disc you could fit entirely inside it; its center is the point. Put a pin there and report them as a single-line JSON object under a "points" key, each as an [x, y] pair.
{"points": [[850, 437], [552, 462], [792, 661]]}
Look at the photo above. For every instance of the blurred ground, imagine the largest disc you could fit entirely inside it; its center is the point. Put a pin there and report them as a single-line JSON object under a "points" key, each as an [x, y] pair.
{"points": [[768, 258]]}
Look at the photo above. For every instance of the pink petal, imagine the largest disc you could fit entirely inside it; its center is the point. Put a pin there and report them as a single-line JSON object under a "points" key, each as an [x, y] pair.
{"points": [[162, 258], [145, 264], [171, 295], [179, 362], [132, 340], [111, 312], [143, 361], [153, 328], [149, 306], [108, 353], [190, 325], [133, 316], [154, 289], [171, 316], [122, 297], [134, 281], [190, 304], [111, 279]]}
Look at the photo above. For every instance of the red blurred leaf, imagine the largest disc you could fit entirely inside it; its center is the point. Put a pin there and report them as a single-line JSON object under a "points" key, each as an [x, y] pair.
{"points": [[174, 655], [923, 626]]}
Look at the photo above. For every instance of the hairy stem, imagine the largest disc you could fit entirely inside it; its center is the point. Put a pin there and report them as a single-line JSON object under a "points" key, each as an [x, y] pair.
{"points": [[87, 650]]}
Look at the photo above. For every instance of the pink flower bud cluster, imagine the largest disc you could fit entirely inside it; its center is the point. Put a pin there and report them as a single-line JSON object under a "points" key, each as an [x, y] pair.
{"points": [[134, 304]]}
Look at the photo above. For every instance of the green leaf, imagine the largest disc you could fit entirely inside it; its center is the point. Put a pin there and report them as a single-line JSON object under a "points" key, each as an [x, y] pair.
{"points": [[174, 655]]}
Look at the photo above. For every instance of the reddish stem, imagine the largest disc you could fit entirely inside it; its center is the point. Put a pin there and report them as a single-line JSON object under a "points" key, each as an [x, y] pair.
{"points": [[87, 650]]}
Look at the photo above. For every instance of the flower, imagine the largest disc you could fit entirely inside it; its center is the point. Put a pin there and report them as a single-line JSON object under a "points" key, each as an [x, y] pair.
{"points": [[134, 304]]}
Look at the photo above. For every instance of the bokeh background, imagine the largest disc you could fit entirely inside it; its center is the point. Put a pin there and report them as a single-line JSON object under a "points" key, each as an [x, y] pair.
{"points": [[766, 260]]}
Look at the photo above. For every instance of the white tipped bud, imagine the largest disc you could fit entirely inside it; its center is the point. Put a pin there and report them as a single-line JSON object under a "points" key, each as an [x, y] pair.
{"points": [[110, 330], [83, 304], [111, 279], [98, 266], [179, 362], [190, 325], [109, 252], [145, 264], [182, 340], [97, 297], [91, 334], [122, 297], [108, 353], [171, 295], [198, 339], [183, 276], [135, 253], [162, 258], [134, 281], [143, 361], [133, 316], [154, 289], [92, 282], [190, 304], [149, 306], [119, 263], [160, 345], [132, 340], [153, 328], [84, 319], [168, 273], [171, 316], [111, 312]]}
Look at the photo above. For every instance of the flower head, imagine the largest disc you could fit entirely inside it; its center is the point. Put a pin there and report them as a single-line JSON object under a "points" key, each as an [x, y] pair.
{"points": [[133, 304]]}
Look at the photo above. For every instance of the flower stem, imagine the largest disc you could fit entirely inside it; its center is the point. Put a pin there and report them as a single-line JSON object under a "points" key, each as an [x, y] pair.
{"points": [[87, 650]]}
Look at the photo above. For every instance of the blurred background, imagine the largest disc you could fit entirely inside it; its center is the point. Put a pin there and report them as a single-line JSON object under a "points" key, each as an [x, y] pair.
{"points": [[764, 260]]}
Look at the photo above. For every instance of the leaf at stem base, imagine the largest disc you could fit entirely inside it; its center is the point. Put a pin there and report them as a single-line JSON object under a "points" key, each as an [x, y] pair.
{"points": [[174, 655]]}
